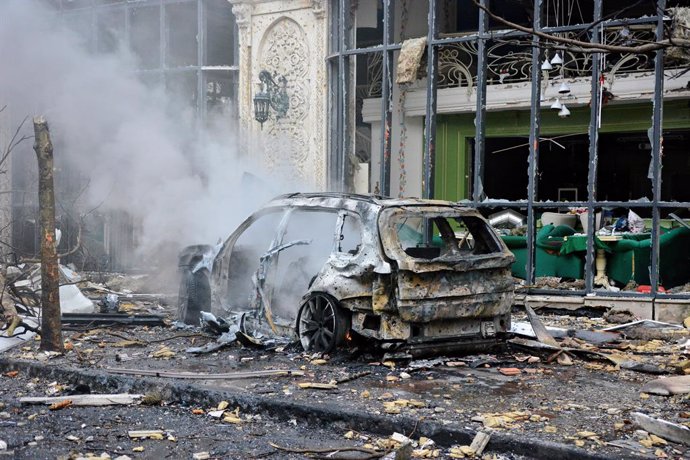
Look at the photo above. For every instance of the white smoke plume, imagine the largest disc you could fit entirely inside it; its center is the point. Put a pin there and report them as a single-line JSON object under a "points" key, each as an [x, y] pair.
{"points": [[136, 145]]}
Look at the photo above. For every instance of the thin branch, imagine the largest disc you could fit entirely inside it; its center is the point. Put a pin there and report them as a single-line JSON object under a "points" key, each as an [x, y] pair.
{"points": [[15, 140], [610, 16], [77, 244], [582, 46]]}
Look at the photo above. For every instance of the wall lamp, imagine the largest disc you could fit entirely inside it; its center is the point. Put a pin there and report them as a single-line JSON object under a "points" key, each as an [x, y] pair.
{"points": [[271, 95]]}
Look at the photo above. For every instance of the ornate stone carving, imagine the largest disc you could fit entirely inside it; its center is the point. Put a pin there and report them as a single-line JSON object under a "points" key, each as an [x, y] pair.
{"points": [[319, 7], [284, 51], [243, 14]]}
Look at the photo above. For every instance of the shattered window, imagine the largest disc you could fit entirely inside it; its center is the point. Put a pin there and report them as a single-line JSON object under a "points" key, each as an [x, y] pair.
{"points": [[181, 31], [449, 236], [350, 238], [144, 35]]}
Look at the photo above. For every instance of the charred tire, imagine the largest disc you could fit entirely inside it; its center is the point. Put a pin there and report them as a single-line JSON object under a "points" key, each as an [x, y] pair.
{"points": [[322, 324], [197, 296]]}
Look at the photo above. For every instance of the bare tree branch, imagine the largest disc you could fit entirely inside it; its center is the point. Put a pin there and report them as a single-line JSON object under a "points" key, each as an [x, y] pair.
{"points": [[583, 46], [14, 141]]}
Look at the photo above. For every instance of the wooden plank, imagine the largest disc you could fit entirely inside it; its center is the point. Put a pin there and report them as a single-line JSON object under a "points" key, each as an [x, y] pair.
{"points": [[86, 400], [479, 442]]}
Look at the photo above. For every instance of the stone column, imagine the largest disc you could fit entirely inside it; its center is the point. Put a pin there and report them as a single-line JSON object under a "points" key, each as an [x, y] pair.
{"points": [[242, 9]]}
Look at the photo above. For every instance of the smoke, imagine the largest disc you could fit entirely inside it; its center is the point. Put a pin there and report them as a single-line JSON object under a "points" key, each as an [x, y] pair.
{"points": [[138, 147]]}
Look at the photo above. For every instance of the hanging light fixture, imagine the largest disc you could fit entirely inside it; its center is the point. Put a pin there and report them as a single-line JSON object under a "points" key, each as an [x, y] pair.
{"points": [[557, 60], [557, 105], [564, 112], [564, 88], [271, 95], [546, 65]]}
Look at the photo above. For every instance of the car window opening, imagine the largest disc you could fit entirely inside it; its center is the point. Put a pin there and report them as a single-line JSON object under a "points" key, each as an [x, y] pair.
{"points": [[451, 237]]}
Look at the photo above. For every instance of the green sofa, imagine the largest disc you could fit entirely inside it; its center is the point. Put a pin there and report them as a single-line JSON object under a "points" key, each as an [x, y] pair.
{"points": [[548, 259], [630, 258]]}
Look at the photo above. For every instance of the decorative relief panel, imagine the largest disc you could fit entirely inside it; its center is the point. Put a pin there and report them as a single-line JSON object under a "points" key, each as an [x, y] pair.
{"points": [[243, 14], [284, 52]]}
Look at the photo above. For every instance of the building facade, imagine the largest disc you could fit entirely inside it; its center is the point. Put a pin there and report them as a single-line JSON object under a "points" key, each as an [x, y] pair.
{"points": [[532, 107], [514, 107]]}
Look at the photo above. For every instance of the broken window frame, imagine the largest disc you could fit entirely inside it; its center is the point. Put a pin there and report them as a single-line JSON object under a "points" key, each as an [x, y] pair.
{"points": [[201, 68], [341, 122]]}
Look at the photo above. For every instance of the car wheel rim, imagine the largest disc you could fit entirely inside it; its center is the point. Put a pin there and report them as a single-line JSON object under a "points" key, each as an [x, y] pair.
{"points": [[317, 328]]}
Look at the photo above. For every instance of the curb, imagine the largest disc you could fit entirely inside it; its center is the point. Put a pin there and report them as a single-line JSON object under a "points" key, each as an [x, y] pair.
{"points": [[190, 394]]}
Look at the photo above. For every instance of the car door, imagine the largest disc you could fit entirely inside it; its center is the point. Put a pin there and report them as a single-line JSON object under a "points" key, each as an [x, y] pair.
{"points": [[306, 244], [239, 260]]}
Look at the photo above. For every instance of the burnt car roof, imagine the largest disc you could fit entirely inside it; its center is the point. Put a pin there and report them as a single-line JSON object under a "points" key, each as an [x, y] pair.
{"points": [[339, 199]]}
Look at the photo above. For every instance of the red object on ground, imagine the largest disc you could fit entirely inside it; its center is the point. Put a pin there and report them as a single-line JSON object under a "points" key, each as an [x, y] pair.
{"points": [[509, 371], [647, 289]]}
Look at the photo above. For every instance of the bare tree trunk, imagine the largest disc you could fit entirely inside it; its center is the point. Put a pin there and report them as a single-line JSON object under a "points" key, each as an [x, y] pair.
{"points": [[51, 326]]}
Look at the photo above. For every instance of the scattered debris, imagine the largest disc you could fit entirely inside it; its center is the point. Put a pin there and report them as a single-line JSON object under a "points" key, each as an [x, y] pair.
{"points": [[317, 386], [110, 303], [481, 439], [540, 331], [352, 377], [147, 434], [647, 323], [662, 428], [668, 386], [510, 371], [60, 404], [163, 352]]}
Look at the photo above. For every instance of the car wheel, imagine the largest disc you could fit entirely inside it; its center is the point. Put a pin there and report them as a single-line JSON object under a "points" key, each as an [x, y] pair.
{"points": [[197, 297], [322, 324]]}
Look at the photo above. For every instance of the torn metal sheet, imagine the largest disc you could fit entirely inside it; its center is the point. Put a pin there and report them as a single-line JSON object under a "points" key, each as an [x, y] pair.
{"points": [[595, 337], [646, 323]]}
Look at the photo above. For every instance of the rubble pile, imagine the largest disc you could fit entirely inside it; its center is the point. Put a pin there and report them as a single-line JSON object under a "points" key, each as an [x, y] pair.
{"points": [[612, 384]]}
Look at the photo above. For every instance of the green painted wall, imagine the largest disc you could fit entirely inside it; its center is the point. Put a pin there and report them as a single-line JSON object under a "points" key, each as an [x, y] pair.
{"points": [[454, 132]]}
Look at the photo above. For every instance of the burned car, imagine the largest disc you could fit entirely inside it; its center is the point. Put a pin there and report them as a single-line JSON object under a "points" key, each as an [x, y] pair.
{"points": [[318, 267]]}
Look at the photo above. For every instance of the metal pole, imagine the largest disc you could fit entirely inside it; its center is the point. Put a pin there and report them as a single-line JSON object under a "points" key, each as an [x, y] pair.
{"points": [[163, 48], [480, 114], [593, 150], [200, 49], [430, 119], [657, 147], [533, 160], [386, 99], [344, 69]]}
